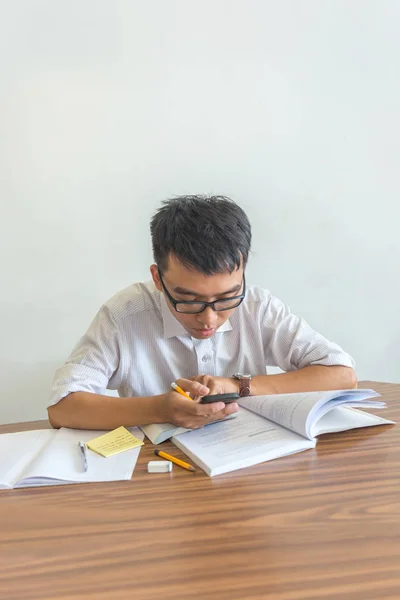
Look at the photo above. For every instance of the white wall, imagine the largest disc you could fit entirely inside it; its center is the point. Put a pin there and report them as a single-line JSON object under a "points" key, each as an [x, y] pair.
{"points": [[107, 107]]}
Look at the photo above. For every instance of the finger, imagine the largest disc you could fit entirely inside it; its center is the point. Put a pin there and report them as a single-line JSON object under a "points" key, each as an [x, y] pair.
{"points": [[199, 420], [206, 380], [194, 388], [199, 378], [210, 409], [194, 408], [231, 408], [203, 380], [228, 409]]}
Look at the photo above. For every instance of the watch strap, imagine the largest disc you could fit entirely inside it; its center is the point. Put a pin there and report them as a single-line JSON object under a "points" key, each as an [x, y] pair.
{"points": [[244, 387], [244, 384]]}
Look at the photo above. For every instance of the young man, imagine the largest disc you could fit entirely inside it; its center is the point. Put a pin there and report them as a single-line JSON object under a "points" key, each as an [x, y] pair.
{"points": [[196, 323]]}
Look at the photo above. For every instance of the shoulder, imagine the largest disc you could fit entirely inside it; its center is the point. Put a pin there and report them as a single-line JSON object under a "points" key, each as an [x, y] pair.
{"points": [[261, 305], [257, 298], [134, 300], [264, 299], [256, 294], [255, 304]]}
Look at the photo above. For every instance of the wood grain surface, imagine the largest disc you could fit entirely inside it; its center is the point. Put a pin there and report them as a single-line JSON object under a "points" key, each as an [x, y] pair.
{"points": [[323, 524]]}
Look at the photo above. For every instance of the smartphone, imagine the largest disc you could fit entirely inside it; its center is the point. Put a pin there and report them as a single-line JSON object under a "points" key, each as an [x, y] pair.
{"points": [[227, 398]]}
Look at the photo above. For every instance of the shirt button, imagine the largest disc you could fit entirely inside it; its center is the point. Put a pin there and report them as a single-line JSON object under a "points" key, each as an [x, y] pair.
{"points": [[205, 358]]}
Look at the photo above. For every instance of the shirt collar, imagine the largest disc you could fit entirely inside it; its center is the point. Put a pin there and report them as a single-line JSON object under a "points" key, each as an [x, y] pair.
{"points": [[172, 327]]}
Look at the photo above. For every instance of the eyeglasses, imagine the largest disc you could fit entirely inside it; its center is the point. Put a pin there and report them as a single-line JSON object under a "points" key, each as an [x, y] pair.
{"points": [[193, 307]]}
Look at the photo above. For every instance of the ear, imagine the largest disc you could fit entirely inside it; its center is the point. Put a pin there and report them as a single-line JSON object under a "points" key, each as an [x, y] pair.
{"points": [[156, 277]]}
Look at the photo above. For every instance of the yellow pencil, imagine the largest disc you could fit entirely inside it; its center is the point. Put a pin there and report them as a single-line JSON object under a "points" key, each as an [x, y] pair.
{"points": [[177, 461], [180, 390]]}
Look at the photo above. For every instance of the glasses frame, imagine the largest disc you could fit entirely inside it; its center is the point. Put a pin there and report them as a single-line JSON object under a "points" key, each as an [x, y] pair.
{"points": [[174, 302]]}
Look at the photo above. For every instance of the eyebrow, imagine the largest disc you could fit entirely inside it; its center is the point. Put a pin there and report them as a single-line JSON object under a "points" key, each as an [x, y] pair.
{"points": [[186, 292]]}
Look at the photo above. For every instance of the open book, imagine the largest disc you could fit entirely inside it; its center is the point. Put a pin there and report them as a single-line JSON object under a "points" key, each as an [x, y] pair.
{"points": [[52, 457], [159, 432], [268, 427]]}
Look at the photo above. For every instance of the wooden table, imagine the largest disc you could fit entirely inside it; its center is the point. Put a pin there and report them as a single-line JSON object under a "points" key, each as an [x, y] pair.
{"points": [[323, 524]]}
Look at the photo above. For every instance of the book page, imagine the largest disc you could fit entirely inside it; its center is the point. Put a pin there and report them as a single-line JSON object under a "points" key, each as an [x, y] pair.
{"points": [[61, 461], [159, 432], [17, 450], [343, 418], [289, 410], [299, 411], [247, 440]]}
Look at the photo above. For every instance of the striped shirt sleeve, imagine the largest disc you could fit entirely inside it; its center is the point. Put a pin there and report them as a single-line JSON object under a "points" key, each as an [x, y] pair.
{"points": [[93, 361], [290, 343]]}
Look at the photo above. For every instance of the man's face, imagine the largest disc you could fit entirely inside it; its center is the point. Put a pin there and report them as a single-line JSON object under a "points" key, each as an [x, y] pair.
{"points": [[186, 284]]}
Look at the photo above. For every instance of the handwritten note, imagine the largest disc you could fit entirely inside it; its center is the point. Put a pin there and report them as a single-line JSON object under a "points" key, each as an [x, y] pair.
{"points": [[114, 442]]}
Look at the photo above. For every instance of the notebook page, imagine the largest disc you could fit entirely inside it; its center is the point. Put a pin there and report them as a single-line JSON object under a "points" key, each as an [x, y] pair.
{"points": [[17, 450], [62, 462]]}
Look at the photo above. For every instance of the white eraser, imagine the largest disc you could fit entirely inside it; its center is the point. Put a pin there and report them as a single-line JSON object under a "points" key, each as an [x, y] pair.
{"points": [[159, 466]]}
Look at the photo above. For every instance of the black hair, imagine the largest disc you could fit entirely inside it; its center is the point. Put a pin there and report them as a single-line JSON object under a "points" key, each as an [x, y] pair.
{"points": [[210, 234]]}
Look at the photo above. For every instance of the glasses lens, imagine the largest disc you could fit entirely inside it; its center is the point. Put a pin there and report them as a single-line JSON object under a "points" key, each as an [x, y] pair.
{"points": [[182, 307], [227, 304], [198, 307]]}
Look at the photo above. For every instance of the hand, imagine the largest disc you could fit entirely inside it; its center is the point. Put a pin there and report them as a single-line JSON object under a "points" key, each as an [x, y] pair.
{"points": [[218, 385], [178, 410]]}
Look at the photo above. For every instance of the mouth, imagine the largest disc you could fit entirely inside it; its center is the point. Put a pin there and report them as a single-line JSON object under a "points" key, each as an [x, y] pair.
{"points": [[205, 332]]}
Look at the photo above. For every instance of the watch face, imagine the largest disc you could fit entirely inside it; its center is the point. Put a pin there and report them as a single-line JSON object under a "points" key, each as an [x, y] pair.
{"points": [[242, 375]]}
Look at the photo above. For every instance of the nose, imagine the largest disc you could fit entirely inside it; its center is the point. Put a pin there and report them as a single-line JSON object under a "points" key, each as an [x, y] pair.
{"points": [[208, 318]]}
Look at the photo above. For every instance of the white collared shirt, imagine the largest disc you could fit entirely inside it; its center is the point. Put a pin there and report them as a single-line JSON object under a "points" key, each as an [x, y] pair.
{"points": [[136, 346]]}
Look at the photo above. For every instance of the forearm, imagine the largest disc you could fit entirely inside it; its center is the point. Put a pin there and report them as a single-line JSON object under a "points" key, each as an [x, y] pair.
{"points": [[309, 379], [84, 410]]}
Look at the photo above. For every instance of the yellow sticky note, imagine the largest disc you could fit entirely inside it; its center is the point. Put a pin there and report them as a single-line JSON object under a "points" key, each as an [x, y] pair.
{"points": [[114, 442]]}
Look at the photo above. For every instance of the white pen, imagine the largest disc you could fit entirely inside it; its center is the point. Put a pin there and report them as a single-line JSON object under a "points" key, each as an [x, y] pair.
{"points": [[82, 450]]}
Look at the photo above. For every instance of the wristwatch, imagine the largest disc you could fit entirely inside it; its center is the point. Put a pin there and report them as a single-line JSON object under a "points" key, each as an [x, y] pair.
{"points": [[244, 383]]}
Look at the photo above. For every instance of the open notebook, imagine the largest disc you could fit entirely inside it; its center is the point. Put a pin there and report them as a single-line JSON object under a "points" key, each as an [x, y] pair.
{"points": [[51, 457], [268, 427]]}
